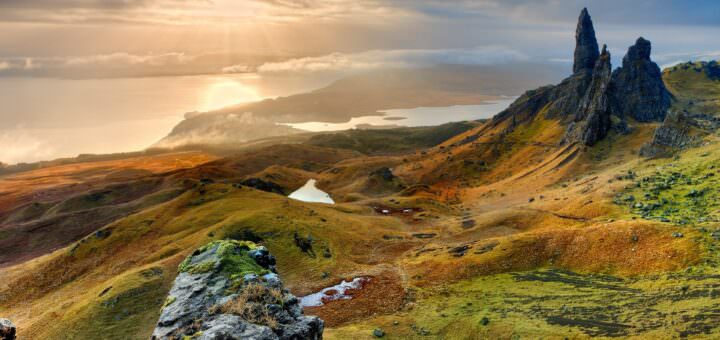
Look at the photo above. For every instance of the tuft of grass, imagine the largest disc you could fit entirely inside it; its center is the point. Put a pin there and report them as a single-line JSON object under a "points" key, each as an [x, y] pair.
{"points": [[251, 305]]}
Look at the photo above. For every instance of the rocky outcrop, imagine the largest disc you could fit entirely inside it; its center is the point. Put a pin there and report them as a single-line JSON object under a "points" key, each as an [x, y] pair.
{"points": [[229, 290], [267, 186], [640, 91], [592, 119], [594, 100], [7, 330], [586, 46], [674, 133]]}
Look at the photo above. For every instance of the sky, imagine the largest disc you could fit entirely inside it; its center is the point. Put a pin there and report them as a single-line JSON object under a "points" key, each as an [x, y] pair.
{"points": [[135, 38], [101, 76]]}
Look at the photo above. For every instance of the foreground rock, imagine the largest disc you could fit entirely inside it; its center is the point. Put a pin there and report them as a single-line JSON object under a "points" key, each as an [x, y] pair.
{"points": [[228, 290], [7, 330]]}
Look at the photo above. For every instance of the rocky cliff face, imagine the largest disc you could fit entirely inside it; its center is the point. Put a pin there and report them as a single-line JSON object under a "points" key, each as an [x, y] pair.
{"points": [[594, 100], [228, 290], [592, 119], [640, 91], [674, 133]]}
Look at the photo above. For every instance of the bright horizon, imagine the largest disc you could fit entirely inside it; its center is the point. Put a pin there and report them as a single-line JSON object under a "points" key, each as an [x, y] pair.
{"points": [[90, 76]]}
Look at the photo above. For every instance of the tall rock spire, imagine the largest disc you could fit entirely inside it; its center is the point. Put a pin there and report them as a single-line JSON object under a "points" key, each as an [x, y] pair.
{"points": [[586, 46], [592, 119]]}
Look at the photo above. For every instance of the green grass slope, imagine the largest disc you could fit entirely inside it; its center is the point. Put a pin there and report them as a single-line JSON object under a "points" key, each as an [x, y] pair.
{"points": [[695, 85]]}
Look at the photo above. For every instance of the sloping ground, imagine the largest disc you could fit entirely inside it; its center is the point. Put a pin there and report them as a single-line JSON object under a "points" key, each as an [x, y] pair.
{"points": [[696, 86], [521, 250], [499, 232], [391, 141], [46, 209], [679, 299]]}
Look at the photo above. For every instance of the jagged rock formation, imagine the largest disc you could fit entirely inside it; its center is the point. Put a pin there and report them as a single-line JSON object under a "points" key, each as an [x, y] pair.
{"points": [[674, 133], [595, 100], [640, 91], [228, 290], [592, 120], [586, 46], [7, 330]]}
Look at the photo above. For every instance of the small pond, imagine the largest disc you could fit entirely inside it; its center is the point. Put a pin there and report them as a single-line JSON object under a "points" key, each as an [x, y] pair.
{"points": [[310, 193], [336, 292]]}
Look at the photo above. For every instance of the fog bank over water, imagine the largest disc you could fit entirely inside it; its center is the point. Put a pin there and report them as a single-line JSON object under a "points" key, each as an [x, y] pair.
{"points": [[46, 118]]}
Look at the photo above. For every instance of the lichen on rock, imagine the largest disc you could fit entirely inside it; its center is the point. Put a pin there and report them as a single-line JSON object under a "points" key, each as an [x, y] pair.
{"points": [[229, 290]]}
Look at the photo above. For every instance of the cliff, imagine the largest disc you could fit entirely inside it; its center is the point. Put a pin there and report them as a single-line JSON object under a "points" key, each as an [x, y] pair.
{"points": [[587, 100]]}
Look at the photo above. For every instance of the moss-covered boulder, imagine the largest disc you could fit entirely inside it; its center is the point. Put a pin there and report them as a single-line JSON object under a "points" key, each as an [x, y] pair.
{"points": [[229, 290]]}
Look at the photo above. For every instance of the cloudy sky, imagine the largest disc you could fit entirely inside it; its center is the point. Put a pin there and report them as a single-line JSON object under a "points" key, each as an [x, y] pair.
{"points": [[106, 38]]}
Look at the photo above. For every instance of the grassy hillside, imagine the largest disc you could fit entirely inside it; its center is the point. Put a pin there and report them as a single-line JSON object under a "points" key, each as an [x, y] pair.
{"points": [[388, 141], [496, 232], [695, 85]]}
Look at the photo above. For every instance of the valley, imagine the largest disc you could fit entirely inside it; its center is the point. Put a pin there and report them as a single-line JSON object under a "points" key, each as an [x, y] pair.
{"points": [[550, 220]]}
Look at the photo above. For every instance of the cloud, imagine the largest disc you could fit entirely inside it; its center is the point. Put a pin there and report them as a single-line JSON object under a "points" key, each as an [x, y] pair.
{"points": [[97, 11], [380, 59], [295, 4], [671, 59], [101, 65], [77, 4], [119, 59], [237, 69], [20, 145]]}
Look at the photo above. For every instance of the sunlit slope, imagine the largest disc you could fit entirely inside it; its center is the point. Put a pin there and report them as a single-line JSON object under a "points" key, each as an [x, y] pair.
{"points": [[499, 217], [135, 258], [45, 209], [695, 85]]}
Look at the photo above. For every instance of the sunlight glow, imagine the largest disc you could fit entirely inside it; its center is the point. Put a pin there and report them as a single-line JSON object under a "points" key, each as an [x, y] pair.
{"points": [[226, 93]]}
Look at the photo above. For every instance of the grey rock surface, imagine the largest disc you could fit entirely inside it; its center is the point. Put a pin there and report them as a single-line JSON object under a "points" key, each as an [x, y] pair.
{"points": [[228, 290], [592, 119], [673, 134], [594, 100], [586, 46], [640, 92]]}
